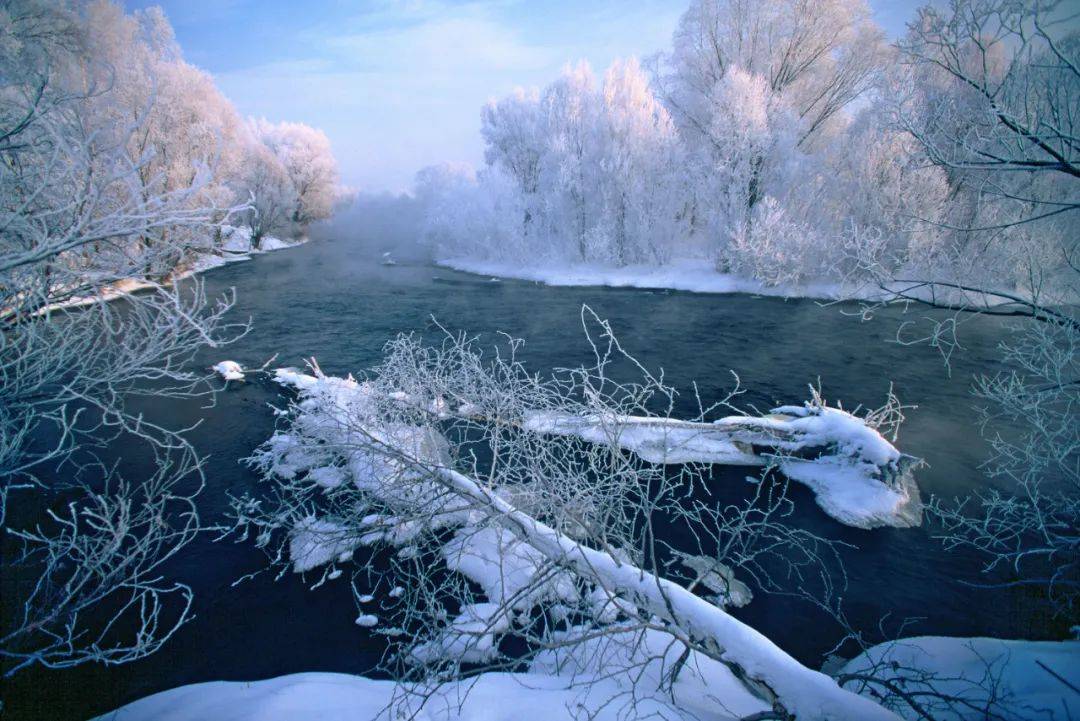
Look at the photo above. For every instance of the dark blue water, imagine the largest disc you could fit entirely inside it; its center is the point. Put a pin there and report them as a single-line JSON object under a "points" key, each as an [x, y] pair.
{"points": [[327, 300]]}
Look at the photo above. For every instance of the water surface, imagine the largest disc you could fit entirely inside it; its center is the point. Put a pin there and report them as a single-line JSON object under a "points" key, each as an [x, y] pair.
{"points": [[328, 301]]}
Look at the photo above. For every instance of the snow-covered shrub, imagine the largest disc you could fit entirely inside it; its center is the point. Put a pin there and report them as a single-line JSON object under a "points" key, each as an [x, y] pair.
{"points": [[775, 249]]}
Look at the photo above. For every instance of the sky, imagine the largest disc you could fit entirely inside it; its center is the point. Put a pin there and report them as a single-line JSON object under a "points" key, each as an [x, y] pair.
{"points": [[398, 84]]}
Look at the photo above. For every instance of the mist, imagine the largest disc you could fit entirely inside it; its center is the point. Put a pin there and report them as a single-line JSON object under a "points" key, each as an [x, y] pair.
{"points": [[378, 223]]}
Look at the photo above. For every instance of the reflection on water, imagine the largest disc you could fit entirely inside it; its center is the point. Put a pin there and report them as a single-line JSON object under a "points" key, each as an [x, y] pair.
{"points": [[323, 300]]}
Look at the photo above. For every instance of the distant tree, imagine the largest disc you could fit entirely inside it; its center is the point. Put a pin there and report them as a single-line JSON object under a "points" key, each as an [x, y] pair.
{"points": [[643, 186], [272, 195], [513, 132], [305, 154]]}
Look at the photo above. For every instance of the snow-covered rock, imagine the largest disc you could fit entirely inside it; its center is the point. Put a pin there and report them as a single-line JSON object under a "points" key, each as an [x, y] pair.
{"points": [[229, 370]]}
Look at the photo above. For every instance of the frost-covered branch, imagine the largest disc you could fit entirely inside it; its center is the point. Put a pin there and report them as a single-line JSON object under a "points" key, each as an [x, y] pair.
{"points": [[508, 540], [85, 536]]}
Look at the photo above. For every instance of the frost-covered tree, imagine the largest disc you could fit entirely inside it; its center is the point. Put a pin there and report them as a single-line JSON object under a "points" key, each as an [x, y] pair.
{"points": [[85, 541], [817, 56], [512, 129], [272, 196], [570, 161], [643, 188], [305, 154], [989, 95], [185, 126], [647, 169]]}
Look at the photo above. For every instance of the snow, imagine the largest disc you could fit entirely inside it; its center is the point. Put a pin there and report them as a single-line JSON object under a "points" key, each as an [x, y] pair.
{"points": [[316, 541], [554, 687], [504, 566], [229, 370], [1025, 670], [327, 476], [469, 638], [551, 690], [858, 477]]}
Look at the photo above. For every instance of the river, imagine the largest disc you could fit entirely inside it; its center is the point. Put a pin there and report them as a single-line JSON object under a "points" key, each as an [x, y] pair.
{"points": [[328, 300]]}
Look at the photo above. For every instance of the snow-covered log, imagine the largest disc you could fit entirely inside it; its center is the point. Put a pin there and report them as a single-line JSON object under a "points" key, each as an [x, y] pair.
{"points": [[857, 476], [762, 665]]}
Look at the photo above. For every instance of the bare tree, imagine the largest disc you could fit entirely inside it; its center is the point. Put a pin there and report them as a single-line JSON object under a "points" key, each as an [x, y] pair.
{"points": [[991, 95], [84, 543]]}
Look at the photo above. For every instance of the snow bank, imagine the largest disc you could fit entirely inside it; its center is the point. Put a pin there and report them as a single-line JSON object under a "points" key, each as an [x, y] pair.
{"points": [[698, 276], [695, 276], [1028, 679], [552, 690]]}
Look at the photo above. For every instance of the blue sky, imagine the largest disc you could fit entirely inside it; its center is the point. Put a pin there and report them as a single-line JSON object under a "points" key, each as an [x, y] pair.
{"points": [[398, 84]]}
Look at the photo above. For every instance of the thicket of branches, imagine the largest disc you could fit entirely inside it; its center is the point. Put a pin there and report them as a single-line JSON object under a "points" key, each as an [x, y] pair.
{"points": [[514, 520], [119, 163]]}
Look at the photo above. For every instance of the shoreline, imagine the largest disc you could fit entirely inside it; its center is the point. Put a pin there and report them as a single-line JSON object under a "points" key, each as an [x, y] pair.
{"points": [[201, 264], [682, 275]]}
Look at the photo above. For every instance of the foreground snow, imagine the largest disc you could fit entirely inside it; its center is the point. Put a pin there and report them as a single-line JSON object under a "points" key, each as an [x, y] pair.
{"points": [[1025, 679], [552, 690], [597, 679]]}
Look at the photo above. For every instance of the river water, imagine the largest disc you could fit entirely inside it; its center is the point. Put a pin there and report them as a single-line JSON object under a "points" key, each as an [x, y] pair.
{"points": [[327, 300]]}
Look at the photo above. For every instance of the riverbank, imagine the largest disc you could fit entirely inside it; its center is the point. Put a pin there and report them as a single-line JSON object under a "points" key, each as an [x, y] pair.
{"points": [[694, 276], [697, 276], [236, 248]]}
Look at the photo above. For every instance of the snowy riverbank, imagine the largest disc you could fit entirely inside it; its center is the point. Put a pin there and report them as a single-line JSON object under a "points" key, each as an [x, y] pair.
{"points": [[705, 689], [697, 276], [236, 248], [694, 276]]}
